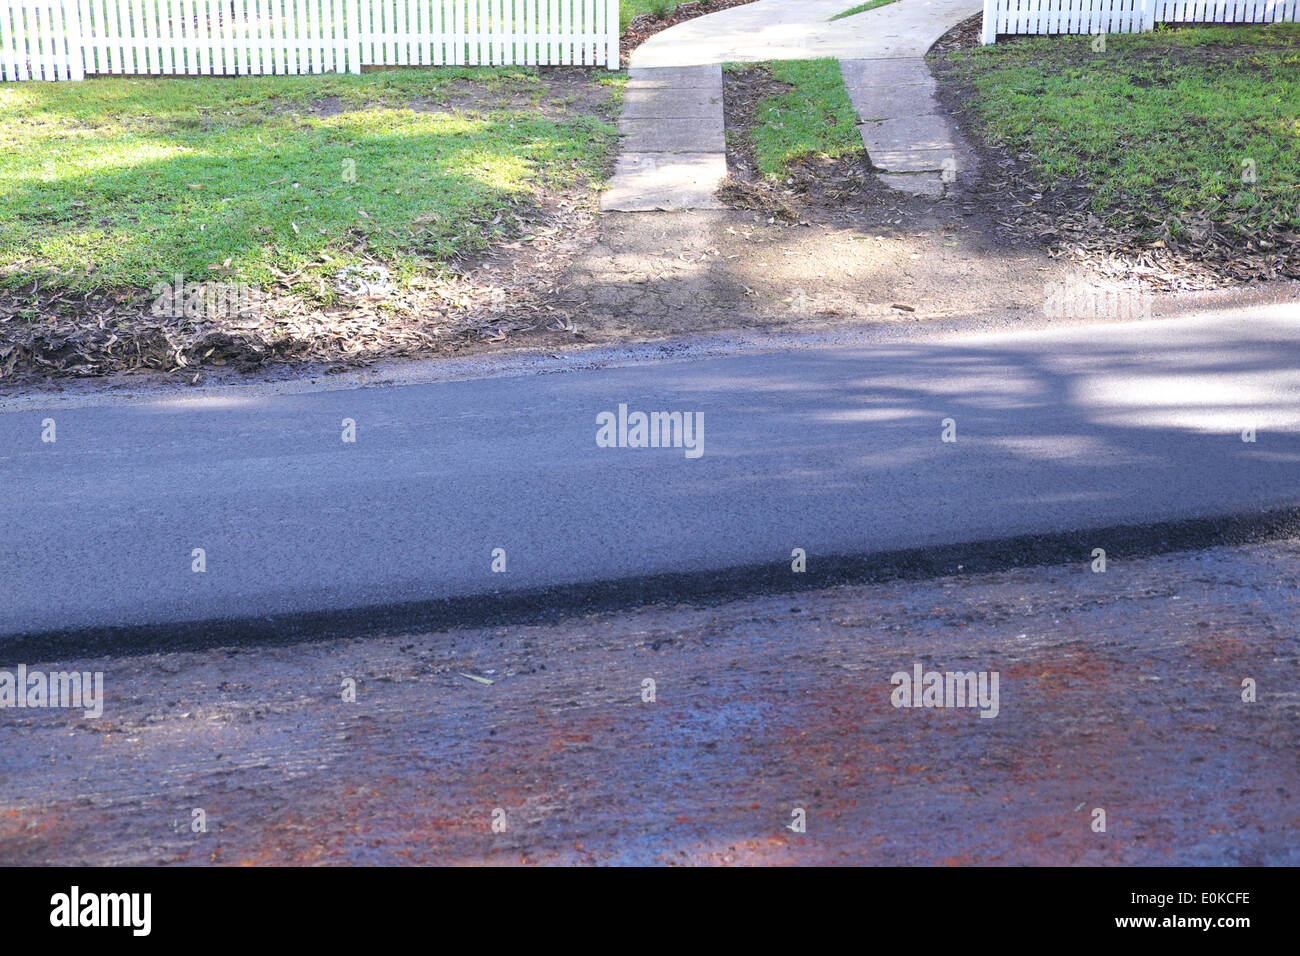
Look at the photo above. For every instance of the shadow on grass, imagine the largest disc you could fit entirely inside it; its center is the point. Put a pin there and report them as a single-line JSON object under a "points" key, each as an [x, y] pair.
{"points": [[411, 188]]}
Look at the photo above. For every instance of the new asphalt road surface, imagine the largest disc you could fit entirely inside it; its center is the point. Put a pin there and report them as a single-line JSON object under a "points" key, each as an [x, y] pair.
{"points": [[248, 504]]}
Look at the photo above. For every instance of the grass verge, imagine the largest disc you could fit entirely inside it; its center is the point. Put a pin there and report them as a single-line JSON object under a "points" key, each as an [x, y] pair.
{"points": [[814, 117], [117, 183], [1159, 128]]}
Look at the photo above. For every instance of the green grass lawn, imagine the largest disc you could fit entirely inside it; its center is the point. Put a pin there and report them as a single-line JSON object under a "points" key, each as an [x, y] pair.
{"points": [[118, 183], [814, 117], [1159, 124], [860, 8]]}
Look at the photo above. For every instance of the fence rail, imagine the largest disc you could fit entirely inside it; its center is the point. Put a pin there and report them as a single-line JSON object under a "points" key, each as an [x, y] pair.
{"points": [[69, 39], [1002, 17]]}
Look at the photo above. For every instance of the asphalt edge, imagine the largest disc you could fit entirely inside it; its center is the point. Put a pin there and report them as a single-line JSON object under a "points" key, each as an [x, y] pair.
{"points": [[702, 588]]}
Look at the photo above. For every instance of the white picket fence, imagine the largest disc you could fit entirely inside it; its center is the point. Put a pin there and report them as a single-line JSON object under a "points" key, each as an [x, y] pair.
{"points": [[1218, 11], [69, 39], [1002, 17]]}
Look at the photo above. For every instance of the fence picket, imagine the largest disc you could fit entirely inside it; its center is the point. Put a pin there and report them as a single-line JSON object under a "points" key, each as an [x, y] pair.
{"points": [[27, 43], [473, 31], [156, 23], [429, 22], [181, 39], [361, 16], [54, 61], [228, 65], [35, 56], [162, 35], [325, 12], [45, 30], [76, 55], [300, 62], [105, 30], [7, 52], [21, 59], [264, 63], [53, 31], [79, 14], [144, 55], [159, 24], [322, 16], [35, 41], [209, 37]]}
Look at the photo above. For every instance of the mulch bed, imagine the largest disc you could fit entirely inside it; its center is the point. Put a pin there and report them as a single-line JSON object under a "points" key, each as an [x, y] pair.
{"points": [[961, 37], [644, 25], [1023, 208]]}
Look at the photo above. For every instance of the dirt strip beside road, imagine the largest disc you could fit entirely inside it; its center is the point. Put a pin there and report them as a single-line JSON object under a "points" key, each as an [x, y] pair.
{"points": [[1119, 690]]}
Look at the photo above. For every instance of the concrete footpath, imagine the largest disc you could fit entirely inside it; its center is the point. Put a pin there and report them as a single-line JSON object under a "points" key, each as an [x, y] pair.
{"points": [[907, 136], [674, 152]]}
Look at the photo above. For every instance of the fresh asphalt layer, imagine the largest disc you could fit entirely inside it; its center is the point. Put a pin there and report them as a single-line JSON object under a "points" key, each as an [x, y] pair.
{"points": [[837, 451]]}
